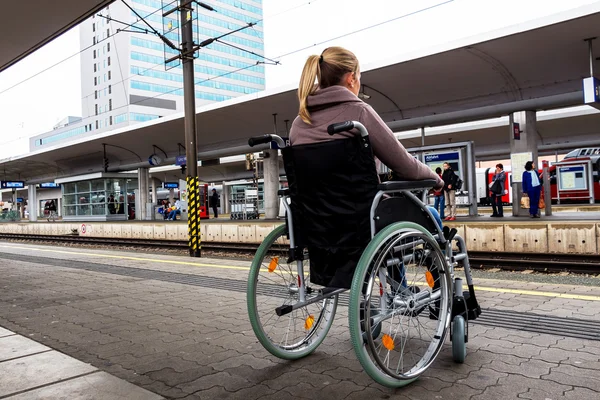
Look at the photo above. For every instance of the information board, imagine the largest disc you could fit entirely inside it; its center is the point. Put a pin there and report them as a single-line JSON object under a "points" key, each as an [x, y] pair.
{"points": [[572, 178], [435, 160], [517, 165], [171, 185]]}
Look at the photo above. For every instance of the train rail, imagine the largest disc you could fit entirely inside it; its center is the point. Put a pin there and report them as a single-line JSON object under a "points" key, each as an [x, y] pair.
{"points": [[550, 263]]}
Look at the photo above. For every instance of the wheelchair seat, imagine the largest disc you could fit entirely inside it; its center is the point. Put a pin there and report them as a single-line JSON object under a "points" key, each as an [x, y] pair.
{"points": [[332, 186]]}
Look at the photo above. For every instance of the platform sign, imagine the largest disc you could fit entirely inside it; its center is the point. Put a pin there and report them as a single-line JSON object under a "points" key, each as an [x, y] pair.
{"points": [[180, 160], [517, 165], [572, 178], [49, 185], [435, 160], [591, 91], [19, 199], [12, 184], [171, 185]]}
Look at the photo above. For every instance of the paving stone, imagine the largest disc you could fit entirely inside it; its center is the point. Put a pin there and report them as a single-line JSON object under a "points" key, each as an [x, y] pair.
{"points": [[324, 390], [482, 378], [573, 376], [222, 379], [521, 384], [553, 355], [299, 375], [243, 359], [528, 368], [581, 393]]}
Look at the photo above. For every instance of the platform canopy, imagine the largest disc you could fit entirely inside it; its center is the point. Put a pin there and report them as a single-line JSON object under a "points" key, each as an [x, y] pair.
{"points": [[25, 26], [539, 59]]}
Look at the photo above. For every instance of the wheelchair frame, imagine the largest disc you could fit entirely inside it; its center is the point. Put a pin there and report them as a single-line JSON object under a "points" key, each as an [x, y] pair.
{"points": [[463, 304]]}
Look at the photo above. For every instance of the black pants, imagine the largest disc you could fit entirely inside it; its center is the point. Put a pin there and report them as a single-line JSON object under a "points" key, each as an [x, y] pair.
{"points": [[497, 205], [215, 211]]}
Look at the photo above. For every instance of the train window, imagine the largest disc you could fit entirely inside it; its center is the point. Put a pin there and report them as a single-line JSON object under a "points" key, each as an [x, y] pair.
{"points": [[572, 154]]}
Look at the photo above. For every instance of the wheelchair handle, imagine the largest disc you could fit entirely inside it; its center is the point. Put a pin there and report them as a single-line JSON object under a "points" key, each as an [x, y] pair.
{"points": [[347, 126], [253, 141]]}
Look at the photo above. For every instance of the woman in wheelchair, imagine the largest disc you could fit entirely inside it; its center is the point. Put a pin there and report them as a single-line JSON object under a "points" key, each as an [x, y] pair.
{"points": [[347, 231]]}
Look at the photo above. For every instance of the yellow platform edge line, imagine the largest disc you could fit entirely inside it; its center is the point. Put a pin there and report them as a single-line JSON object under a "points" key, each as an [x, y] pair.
{"points": [[221, 266]]}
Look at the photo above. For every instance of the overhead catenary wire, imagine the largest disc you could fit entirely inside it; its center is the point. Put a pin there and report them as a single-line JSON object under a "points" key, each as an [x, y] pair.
{"points": [[129, 25], [297, 51], [63, 60], [144, 30]]}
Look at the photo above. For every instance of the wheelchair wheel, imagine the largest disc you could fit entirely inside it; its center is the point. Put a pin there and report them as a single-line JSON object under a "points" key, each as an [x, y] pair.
{"points": [[272, 283], [459, 347], [402, 274]]}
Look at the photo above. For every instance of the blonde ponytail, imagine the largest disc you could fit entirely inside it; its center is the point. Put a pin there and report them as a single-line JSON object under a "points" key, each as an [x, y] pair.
{"points": [[327, 69], [310, 73]]}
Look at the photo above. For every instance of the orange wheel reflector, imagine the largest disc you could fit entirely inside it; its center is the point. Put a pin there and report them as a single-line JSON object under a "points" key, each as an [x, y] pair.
{"points": [[388, 342], [310, 320], [429, 278], [273, 264]]}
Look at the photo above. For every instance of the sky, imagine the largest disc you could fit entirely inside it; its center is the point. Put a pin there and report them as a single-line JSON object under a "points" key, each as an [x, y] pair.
{"points": [[36, 105]]}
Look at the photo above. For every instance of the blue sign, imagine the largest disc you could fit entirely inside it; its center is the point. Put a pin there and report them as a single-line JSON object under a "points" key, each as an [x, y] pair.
{"points": [[571, 169], [19, 199], [12, 185], [49, 185], [180, 160], [442, 157], [171, 185]]}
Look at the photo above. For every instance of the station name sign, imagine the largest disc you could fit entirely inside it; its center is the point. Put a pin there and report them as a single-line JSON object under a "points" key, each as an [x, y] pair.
{"points": [[442, 157], [12, 184], [171, 185], [49, 185]]}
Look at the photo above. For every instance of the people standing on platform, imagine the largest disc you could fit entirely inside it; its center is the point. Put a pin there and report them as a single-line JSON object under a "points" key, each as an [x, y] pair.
{"points": [[533, 188], [440, 200], [497, 191], [214, 202], [450, 179]]}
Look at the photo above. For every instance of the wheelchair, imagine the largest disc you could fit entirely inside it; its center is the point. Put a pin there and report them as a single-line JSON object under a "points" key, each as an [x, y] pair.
{"points": [[349, 239]]}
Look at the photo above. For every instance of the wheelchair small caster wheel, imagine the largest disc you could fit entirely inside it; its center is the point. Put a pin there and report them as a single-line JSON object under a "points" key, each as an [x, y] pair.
{"points": [[459, 346]]}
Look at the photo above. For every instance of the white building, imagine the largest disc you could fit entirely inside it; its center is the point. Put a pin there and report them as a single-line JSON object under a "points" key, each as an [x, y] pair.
{"points": [[123, 75]]}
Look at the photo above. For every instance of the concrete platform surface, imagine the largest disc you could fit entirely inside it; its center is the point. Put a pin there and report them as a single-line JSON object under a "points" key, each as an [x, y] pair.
{"points": [[30, 370], [178, 327]]}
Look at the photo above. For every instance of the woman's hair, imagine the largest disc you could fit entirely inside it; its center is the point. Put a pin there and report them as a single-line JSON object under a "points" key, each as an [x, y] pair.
{"points": [[529, 165], [438, 170], [499, 165], [328, 70]]}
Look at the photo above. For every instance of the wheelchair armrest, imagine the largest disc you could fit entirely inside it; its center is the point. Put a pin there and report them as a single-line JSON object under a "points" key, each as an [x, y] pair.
{"points": [[406, 185]]}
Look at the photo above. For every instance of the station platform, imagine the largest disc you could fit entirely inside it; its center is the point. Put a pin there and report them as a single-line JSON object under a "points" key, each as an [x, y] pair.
{"points": [[179, 329], [562, 233]]}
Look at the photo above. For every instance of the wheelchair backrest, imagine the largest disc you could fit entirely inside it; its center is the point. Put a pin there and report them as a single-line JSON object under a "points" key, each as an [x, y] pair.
{"points": [[332, 186]]}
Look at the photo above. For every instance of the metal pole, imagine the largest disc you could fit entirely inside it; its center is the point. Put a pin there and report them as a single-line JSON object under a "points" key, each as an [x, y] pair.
{"points": [[423, 136], [471, 180], [191, 150], [591, 55], [590, 173]]}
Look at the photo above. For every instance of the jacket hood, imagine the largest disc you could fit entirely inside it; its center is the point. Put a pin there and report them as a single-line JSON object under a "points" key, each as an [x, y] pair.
{"points": [[329, 96]]}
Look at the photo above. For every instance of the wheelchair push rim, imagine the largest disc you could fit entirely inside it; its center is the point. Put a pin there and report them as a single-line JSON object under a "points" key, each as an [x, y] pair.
{"points": [[272, 283], [397, 299]]}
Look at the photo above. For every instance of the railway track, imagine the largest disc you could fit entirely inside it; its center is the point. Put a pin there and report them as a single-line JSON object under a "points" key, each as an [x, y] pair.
{"points": [[551, 263]]}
